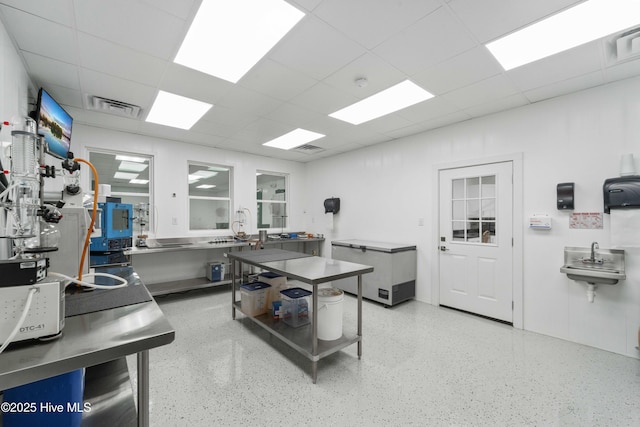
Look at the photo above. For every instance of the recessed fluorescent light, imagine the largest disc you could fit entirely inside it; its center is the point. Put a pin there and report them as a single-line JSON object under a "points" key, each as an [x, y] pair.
{"points": [[204, 173], [228, 37], [131, 158], [382, 103], [139, 181], [293, 139], [581, 24], [125, 175], [176, 111], [132, 166], [205, 186]]}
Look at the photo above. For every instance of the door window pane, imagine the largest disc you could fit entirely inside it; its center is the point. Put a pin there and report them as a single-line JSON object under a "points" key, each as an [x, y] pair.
{"points": [[473, 208]]}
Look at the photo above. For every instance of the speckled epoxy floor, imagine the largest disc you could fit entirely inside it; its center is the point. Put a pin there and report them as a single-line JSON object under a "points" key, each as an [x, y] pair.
{"points": [[421, 365]]}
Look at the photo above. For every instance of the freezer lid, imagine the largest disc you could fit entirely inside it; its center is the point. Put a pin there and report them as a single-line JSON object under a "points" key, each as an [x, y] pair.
{"points": [[369, 245]]}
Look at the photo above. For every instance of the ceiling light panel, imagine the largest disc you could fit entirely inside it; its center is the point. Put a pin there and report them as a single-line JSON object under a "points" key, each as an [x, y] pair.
{"points": [[125, 175], [382, 103], [139, 181], [573, 27], [293, 139], [176, 111], [227, 38], [132, 166]]}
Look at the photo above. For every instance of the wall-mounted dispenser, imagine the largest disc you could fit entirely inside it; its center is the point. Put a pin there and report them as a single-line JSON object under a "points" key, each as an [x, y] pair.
{"points": [[565, 195], [332, 205], [623, 192]]}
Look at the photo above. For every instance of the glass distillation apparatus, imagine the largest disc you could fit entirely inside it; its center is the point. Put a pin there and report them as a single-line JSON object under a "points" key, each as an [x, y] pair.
{"points": [[28, 233]]}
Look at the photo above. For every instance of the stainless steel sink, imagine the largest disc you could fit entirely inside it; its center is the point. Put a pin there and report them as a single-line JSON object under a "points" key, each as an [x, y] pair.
{"points": [[602, 266]]}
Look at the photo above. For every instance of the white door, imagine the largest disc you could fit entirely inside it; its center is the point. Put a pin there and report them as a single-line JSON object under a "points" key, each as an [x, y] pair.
{"points": [[476, 239]]}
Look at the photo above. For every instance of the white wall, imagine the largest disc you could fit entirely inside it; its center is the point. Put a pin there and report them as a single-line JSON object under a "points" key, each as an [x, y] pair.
{"points": [[170, 176], [576, 138]]}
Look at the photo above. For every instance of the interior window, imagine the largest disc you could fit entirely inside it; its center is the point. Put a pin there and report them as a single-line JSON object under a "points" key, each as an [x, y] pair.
{"points": [[209, 196], [129, 176], [473, 206], [271, 199]]}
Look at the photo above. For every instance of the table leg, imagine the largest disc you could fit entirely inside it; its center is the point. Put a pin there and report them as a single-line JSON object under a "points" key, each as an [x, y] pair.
{"points": [[143, 388], [360, 315], [314, 371], [233, 289]]}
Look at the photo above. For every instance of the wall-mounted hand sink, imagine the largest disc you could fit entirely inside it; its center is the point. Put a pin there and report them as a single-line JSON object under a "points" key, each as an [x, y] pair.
{"points": [[593, 265]]}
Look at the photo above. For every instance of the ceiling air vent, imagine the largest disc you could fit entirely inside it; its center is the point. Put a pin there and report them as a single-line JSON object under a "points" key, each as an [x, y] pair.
{"points": [[309, 149], [628, 45], [111, 106]]}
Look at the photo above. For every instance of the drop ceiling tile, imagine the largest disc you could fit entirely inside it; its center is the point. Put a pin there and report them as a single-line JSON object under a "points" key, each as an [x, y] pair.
{"points": [[372, 22], [143, 28], [433, 39], [222, 130], [60, 11], [306, 5], [565, 65], [482, 92], [379, 74], [228, 118], [293, 115], [183, 9], [513, 101], [276, 80], [261, 131], [106, 86], [248, 102], [386, 124], [491, 19], [427, 110], [194, 84], [462, 70], [439, 122], [315, 49], [566, 86], [46, 70], [324, 99], [623, 70], [119, 61], [59, 42], [65, 96]]}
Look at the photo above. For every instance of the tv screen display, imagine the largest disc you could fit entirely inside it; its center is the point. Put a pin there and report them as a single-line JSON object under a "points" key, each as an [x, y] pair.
{"points": [[54, 124]]}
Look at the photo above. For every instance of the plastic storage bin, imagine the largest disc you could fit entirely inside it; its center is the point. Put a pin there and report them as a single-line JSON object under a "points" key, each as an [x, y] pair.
{"points": [[278, 283], [253, 298], [296, 307]]}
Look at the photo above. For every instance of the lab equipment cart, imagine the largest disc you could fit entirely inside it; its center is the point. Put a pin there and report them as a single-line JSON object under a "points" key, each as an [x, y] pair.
{"points": [[312, 270], [394, 276]]}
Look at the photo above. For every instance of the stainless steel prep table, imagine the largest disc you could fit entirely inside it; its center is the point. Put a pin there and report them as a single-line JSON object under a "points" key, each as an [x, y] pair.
{"points": [[312, 270], [92, 339]]}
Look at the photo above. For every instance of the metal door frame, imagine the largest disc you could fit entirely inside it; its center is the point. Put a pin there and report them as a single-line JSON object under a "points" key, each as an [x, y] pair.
{"points": [[518, 229]]}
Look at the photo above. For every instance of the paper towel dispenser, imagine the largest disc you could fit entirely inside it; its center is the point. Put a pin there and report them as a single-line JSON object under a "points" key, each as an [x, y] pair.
{"points": [[623, 192]]}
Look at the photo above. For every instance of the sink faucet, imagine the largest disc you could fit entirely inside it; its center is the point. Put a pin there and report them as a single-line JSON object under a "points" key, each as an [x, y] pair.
{"points": [[594, 246]]}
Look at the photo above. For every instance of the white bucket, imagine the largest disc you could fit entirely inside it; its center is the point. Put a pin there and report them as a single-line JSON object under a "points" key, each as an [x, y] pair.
{"points": [[330, 313]]}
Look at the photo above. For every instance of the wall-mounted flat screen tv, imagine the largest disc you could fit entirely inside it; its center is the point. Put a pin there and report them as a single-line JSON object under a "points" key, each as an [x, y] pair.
{"points": [[54, 124]]}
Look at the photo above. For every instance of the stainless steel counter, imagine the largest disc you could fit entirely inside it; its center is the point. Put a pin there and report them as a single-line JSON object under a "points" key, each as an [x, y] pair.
{"points": [[312, 270], [91, 339]]}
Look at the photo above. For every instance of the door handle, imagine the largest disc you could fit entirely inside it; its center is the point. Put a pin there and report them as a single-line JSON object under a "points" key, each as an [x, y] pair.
{"points": [[443, 248]]}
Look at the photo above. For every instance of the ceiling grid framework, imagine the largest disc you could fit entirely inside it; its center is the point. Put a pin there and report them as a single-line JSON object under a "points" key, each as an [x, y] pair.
{"points": [[123, 50]]}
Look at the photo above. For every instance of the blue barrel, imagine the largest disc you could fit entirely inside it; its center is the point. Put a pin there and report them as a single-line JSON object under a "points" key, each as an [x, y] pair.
{"points": [[52, 402]]}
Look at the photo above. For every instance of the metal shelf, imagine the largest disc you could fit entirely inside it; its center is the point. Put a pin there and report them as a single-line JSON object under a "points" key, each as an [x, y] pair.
{"points": [[183, 285], [300, 338]]}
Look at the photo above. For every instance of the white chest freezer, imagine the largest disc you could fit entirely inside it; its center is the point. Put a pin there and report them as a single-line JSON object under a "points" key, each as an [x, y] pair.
{"points": [[394, 269]]}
